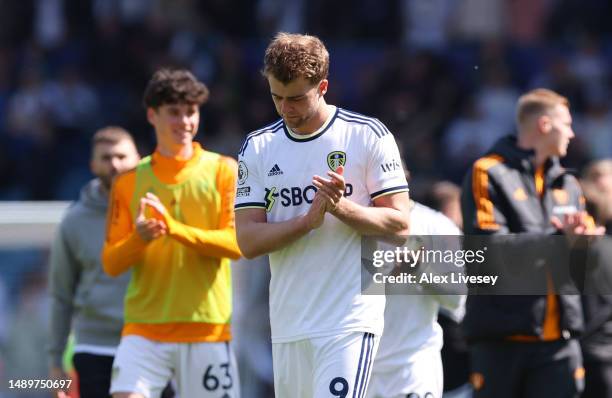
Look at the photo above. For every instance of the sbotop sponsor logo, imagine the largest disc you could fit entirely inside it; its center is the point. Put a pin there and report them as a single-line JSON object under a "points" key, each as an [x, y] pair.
{"points": [[295, 196]]}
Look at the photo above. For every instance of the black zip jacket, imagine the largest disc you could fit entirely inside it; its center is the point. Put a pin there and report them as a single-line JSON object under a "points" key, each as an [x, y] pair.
{"points": [[596, 341], [499, 196]]}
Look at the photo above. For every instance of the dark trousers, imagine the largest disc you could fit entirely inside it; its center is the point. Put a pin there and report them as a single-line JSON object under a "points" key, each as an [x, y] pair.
{"points": [[527, 370], [598, 379], [94, 373]]}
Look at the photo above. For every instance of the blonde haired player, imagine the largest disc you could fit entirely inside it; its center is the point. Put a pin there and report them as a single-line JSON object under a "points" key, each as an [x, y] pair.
{"points": [[309, 185]]}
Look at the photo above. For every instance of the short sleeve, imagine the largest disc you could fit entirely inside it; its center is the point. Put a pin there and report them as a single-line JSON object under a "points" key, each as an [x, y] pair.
{"points": [[250, 191], [385, 171]]}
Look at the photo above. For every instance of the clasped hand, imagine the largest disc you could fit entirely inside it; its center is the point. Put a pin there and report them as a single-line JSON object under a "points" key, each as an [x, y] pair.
{"points": [[150, 228], [330, 192]]}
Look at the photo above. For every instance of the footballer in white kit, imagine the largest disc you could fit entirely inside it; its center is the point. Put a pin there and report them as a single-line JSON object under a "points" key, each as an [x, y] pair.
{"points": [[408, 363], [315, 290], [325, 333]]}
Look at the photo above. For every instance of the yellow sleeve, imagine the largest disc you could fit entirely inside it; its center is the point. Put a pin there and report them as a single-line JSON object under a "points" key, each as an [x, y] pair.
{"points": [[221, 242], [123, 246]]}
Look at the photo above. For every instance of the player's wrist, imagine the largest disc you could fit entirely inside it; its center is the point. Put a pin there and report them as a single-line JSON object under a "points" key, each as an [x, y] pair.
{"points": [[339, 208], [172, 225], [305, 224], [138, 239]]}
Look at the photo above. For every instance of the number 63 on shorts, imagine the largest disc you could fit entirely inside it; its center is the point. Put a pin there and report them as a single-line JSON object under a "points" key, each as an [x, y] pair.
{"points": [[203, 370]]}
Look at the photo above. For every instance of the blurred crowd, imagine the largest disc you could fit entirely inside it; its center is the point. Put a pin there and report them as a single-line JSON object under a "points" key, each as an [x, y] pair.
{"points": [[443, 75]]}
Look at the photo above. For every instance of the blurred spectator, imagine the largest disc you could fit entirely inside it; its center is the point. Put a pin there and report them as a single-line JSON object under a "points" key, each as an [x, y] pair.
{"points": [[475, 20], [425, 23], [50, 23], [377, 20], [234, 22], [560, 77], [595, 129], [30, 140], [445, 196], [4, 312], [130, 12], [588, 65], [28, 115], [280, 16], [71, 102], [597, 185], [27, 331], [16, 21], [467, 137], [596, 341], [46, 46], [496, 98], [570, 19], [599, 174], [526, 20]]}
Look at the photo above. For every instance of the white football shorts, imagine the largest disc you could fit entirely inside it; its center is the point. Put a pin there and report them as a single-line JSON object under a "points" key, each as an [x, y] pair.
{"points": [[331, 366], [420, 376], [144, 366]]}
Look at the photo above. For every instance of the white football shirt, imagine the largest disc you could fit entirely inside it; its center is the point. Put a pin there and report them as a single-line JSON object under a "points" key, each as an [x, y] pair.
{"points": [[315, 286], [411, 320]]}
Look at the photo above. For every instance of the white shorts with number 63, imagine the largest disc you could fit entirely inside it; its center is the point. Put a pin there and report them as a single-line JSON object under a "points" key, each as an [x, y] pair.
{"points": [[204, 370]]}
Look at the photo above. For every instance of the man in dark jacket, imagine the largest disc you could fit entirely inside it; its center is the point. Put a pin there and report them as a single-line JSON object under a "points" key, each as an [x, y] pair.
{"points": [[524, 346], [596, 340]]}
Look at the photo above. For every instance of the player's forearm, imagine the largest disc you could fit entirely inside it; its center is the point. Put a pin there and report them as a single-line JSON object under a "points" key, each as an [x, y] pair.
{"points": [[259, 238], [371, 220], [219, 243], [119, 257]]}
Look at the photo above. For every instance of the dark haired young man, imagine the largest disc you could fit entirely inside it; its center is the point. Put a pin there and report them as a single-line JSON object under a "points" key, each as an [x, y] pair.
{"points": [[171, 222]]}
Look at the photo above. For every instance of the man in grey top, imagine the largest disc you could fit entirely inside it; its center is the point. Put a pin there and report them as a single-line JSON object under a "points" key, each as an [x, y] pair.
{"points": [[83, 297]]}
